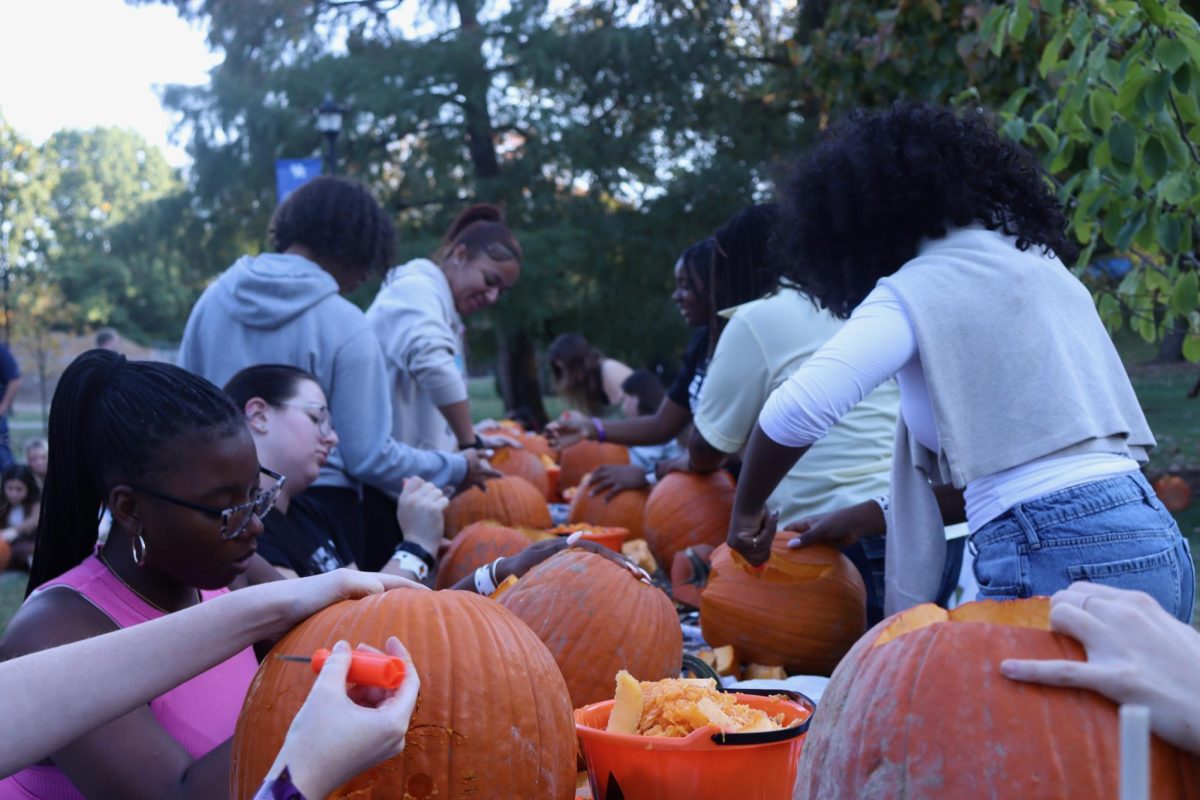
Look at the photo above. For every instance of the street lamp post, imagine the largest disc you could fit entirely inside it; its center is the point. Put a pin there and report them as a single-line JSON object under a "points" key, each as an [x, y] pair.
{"points": [[329, 122]]}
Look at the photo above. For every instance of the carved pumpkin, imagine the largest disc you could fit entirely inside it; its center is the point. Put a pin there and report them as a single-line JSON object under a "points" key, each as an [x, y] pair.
{"points": [[920, 703], [612, 538], [511, 501], [493, 718], [598, 618], [686, 509], [624, 510], [1174, 492], [525, 464], [582, 457], [475, 545], [803, 612]]}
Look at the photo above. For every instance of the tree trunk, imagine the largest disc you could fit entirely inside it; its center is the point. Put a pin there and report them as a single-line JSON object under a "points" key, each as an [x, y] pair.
{"points": [[517, 376], [473, 83], [1170, 349]]}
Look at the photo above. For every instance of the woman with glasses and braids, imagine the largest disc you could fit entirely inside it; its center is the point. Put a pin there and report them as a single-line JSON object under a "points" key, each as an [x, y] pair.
{"points": [[170, 456]]}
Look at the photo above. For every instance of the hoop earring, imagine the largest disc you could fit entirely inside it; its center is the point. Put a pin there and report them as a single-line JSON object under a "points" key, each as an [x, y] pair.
{"points": [[139, 550]]}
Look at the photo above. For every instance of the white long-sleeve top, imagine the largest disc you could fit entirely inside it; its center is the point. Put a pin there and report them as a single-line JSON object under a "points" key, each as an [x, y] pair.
{"points": [[877, 343]]}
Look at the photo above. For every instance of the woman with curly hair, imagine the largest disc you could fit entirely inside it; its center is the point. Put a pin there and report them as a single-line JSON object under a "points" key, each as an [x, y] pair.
{"points": [[943, 246], [286, 307]]}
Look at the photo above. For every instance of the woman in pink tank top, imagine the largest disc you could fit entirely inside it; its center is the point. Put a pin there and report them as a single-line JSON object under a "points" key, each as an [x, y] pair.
{"points": [[169, 456]]}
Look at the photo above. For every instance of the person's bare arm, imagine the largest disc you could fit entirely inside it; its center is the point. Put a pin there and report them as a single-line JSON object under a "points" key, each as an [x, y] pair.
{"points": [[702, 456], [458, 416], [662, 426], [67, 667]]}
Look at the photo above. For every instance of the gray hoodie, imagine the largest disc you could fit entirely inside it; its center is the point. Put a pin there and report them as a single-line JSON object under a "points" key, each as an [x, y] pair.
{"points": [[284, 309]]}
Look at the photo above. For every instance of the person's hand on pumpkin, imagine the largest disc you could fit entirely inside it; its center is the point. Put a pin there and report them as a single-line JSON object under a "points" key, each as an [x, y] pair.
{"points": [[840, 528], [478, 469], [300, 598], [538, 552], [339, 731], [568, 429], [612, 479], [494, 441], [751, 534], [1136, 653]]}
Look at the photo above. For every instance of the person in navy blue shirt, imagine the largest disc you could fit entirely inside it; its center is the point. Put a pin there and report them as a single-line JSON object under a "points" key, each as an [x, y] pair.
{"points": [[10, 381]]}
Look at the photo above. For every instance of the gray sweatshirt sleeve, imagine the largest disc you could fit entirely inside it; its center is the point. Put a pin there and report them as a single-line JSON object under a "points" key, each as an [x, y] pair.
{"points": [[418, 339], [361, 404]]}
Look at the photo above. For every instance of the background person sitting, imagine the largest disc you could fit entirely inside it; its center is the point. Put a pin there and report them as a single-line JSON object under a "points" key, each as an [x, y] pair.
{"points": [[583, 376]]}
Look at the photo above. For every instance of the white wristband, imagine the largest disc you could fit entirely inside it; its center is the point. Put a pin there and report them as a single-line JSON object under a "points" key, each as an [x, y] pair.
{"points": [[411, 563], [485, 579]]}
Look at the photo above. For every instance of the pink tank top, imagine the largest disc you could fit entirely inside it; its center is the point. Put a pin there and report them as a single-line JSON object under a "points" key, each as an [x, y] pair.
{"points": [[199, 714]]}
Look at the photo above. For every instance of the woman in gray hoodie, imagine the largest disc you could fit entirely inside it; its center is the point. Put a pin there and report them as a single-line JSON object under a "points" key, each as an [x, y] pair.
{"points": [[286, 307]]}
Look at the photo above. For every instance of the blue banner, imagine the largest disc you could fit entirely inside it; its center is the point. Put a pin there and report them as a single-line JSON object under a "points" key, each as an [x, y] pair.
{"points": [[292, 173]]}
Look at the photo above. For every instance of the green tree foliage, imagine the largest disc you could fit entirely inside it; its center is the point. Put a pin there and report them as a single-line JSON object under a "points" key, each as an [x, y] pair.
{"points": [[26, 213], [1116, 115], [614, 134]]}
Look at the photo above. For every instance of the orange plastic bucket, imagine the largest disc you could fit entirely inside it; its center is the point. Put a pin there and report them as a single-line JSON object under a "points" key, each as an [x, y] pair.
{"points": [[612, 538], [705, 765]]}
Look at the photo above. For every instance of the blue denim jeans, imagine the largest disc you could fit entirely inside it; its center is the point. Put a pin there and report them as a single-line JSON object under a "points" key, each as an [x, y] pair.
{"points": [[1112, 531]]}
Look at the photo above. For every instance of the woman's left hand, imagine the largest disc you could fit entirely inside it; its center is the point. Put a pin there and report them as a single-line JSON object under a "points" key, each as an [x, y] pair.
{"points": [[751, 534]]}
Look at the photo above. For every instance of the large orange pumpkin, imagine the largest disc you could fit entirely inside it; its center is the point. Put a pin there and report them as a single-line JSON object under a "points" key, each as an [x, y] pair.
{"points": [[493, 718], [1174, 492], [686, 509], [624, 510], [597, 618], [475, 545], [919, 709], [535, 443], [582, 457], [512, 461], [511, 501], [803, 612]]}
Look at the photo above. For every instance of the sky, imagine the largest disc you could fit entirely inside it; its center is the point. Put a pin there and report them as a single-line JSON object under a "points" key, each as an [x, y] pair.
{"points": [[83, 63]]}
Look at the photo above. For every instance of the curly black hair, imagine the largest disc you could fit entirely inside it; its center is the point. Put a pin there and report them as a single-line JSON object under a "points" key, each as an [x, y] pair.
{"points": [[855, 208], [340, 222]]}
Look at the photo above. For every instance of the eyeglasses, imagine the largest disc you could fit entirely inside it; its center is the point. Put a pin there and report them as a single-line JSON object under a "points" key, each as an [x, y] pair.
{"points": [[323, 421], [234, 519]]}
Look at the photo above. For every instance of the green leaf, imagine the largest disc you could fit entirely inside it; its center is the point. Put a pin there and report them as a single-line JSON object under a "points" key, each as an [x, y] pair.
{"points": [[1049, 137], [1062, 159], [1185, 294], [1015, 129], [1013, 104], [1122, 142], [1129, 230], [1168, 231], [1183, 79], [1114, 217], [1171, 53], [1050, 54], [1154, 159], [1155, 281], [997, 45], [1191, 347], [1109, 308], [1052, 7], [1131, 90], [1154, 92], [1175, 189], [1018, 22], [1155, 11], [1100, 107]]}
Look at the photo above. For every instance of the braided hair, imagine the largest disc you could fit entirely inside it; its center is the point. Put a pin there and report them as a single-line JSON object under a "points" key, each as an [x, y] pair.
{"points": [[112, 422], [743, 268]]}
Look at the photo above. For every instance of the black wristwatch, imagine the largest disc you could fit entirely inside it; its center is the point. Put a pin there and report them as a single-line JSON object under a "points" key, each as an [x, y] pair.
{"points": [[477, 444], [418, 551]]}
